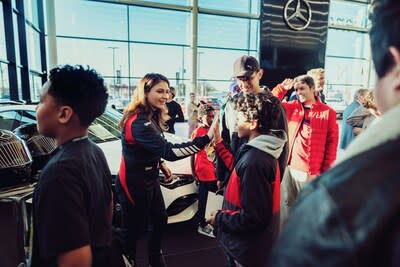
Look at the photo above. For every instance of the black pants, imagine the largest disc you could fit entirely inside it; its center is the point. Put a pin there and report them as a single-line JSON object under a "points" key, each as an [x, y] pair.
{"points": [[204, 188], [147, 215]]}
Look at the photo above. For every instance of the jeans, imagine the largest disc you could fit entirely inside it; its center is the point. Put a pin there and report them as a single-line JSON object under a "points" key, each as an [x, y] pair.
{"points": [[204, 188]]}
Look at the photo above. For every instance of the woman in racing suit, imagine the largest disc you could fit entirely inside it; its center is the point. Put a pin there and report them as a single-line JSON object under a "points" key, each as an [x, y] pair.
{"points": [[143, 146]]}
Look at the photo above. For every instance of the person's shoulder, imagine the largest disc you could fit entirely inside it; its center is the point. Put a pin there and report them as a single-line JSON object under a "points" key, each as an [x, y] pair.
{"points": [[323, 107], [61, 167]]}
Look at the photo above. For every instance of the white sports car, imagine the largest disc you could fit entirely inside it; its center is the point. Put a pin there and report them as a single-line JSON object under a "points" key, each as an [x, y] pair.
{"points": [[180, 195]]}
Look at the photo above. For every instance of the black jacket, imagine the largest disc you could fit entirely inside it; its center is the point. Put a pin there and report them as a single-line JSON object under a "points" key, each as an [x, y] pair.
{"points": [[248, 223], [350, 216], [176, 114], [143, 146]]}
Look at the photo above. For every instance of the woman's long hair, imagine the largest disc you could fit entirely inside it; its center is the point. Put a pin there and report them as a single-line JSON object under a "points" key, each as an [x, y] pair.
{"points": [[139, 101]]}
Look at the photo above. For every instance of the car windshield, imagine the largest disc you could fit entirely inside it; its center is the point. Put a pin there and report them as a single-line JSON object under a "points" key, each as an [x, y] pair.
{"points": [[105, 127]]}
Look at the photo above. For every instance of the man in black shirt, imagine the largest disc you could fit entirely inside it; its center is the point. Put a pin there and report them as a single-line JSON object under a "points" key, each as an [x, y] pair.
{"points": [[174, 111], [72, 203]]}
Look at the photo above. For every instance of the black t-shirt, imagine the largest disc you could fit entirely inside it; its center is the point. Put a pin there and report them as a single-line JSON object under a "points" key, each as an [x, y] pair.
{"points": [[176, 114], [71, 205]]}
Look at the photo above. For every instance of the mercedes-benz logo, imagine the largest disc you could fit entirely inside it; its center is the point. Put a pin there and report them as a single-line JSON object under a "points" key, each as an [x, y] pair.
{"points": [[305, 18]]}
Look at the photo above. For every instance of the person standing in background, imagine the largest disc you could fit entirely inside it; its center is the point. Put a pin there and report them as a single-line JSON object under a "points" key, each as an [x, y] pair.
{"points": [[313, 138], [247, 73], [174, 111], [362, 117], [192, 109], [318, 75], [347, 130], [203, 166]]}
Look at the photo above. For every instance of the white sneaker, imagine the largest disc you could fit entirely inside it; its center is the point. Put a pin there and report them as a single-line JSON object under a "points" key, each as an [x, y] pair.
{"points": [[206, 230]]}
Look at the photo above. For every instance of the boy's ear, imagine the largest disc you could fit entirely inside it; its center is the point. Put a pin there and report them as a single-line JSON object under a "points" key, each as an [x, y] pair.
{"points": [[396, 58], [395, 54], [253, 125], [65, 114]]}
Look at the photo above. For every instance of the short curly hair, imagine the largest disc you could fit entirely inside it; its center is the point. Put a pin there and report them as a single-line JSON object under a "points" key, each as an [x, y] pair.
{"points": [[262, 107], [204, 109], [80, 88]]}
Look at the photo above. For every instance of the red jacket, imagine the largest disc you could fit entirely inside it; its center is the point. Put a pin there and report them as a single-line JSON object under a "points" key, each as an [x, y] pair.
{"points": [[324, 131], [203, 168]]}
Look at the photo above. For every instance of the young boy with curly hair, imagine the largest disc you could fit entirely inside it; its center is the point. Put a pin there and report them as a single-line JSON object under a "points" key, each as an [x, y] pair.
{"points": [[248, 223]]}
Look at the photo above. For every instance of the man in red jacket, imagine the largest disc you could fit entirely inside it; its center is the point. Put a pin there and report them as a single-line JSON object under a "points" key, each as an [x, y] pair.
{"points": [[313, 137]]}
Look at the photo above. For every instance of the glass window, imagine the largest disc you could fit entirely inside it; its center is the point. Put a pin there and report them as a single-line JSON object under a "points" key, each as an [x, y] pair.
{"points": [[33, 46], [373, 77], [4, 83], [14, 4], [157, 25], [217, 64], [3, 51], [105, 20], [347, 44], [31, 11], [171, 2], [103, 56], [19, 82], [345, 13], [36, 86], [243, 6], [214, 89], [340, 95], [118, 91], [164, 59], [221, 31], [9, 120], [346, 71], [16, 40], [27, 117]]}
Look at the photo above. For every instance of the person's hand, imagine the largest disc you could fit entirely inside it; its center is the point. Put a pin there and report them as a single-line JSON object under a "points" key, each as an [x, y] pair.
{"points": [[357, 130], [211, 132], [217, 134], [287, 84], [312, 177], [211, 218], [167, 172]]}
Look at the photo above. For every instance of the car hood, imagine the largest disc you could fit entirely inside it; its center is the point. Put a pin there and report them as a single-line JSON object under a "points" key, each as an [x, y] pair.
{"points": [[113, 150]]}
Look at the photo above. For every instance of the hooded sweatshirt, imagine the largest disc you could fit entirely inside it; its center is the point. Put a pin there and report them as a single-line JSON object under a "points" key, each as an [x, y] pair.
{"points": [[248, 223]]}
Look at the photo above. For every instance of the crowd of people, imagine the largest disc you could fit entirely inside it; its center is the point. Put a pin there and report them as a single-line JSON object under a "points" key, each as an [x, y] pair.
{"points": [[287, 200]]}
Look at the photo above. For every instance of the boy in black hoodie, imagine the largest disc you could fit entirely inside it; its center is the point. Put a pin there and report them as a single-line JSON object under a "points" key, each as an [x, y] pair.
{"points": [[248, 223]]}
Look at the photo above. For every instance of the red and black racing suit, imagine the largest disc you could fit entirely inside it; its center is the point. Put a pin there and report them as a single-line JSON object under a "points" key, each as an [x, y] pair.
{"points": [[137, 184]]}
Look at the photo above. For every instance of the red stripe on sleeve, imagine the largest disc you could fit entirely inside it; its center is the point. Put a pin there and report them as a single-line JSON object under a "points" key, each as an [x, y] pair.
{"points": [[276, 190], [128, 130], [225, 155], [232, 193]]}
